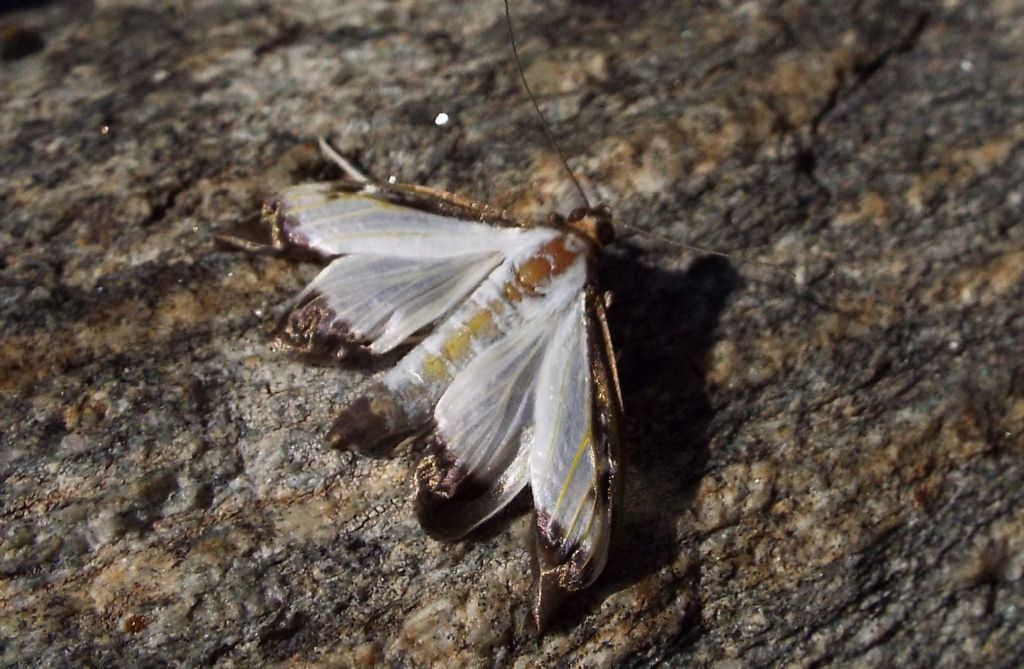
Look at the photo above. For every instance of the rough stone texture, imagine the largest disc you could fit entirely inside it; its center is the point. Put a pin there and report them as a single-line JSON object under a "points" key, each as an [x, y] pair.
{"points": [[824, 469]]}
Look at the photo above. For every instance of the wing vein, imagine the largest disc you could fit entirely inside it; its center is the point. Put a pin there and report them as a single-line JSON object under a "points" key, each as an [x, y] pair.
{"points": [[572, 470]]}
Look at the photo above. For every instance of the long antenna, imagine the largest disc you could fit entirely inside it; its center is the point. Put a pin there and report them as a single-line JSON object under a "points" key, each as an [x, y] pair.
{"points": [[540, 114], [704, 249], [579, 188]]}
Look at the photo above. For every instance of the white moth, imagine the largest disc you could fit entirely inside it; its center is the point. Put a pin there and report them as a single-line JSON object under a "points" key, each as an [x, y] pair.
{"points": [[512, 382]]}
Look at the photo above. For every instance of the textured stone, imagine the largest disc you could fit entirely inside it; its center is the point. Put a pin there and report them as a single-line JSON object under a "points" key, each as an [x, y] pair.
{"points": [[826, 457]]}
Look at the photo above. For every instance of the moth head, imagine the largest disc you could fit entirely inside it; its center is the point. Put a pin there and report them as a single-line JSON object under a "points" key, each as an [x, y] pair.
{"points": [[593, 222]]}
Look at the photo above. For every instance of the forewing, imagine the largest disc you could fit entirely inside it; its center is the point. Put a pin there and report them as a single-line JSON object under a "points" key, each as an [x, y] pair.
{"points": [[331, 219], [478, 457], [573, 461]]}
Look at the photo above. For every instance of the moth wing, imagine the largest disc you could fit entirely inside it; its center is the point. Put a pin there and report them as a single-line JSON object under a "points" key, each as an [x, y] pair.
{"points": [[333, 218], [402, 268], [478, 456], [574, 459], [381, 301]]}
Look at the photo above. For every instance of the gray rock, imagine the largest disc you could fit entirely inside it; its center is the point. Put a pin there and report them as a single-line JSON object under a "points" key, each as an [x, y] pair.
{"points": [[824, 468]]}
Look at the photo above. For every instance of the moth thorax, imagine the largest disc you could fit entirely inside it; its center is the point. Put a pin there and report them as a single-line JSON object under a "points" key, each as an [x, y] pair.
{"points": [[593, 222]]}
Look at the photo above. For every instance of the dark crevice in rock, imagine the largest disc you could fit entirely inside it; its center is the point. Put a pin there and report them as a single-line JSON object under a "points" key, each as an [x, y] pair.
{"points": [[806, 160], [283, 630], [863, 72]]}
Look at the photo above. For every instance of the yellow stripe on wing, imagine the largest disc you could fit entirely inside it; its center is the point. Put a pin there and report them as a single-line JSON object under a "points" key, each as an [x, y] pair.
{"points": [[572, 470], [575, 519]]}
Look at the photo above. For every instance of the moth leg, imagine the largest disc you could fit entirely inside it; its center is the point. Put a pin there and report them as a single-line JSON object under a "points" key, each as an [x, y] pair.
{"points": [[601, 313], [350, 170]]}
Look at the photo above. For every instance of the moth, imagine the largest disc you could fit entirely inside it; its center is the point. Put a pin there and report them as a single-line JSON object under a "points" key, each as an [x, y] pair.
{"points": [[510, 380]]}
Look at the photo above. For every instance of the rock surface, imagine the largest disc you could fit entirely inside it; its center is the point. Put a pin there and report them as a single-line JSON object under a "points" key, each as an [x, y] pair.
{"points": [[823, 469]]}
